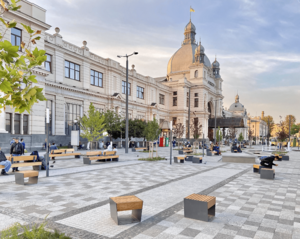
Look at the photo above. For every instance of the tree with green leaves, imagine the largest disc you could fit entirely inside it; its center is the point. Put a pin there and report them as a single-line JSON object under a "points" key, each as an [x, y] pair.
{"points": [[281, 134], [151, 132], [17, 80], [241, 137], [287, 122], [295, 129], [92, 125], [270, 123], [219, 137], [112, 123]]}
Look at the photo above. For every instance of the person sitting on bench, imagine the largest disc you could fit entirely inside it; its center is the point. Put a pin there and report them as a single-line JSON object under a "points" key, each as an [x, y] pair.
{"points": [[217, 149], [268, 161], [6, 163], [239, 149], [234, 147]]}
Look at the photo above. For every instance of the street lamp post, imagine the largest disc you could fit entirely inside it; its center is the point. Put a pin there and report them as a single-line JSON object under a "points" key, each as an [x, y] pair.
{"points": [[215, 134], [189, 113], [126, 129], [171, 143], [47, 144]]}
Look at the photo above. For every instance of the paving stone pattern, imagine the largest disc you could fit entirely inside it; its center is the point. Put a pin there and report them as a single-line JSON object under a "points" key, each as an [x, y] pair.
{"points": [[75, 199]]}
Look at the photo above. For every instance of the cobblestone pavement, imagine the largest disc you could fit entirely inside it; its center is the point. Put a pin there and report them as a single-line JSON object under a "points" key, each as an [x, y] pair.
{"points": [[75, 199]]}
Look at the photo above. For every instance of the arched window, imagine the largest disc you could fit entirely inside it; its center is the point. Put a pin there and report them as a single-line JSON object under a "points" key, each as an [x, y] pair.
{"points": [[196, 74]]}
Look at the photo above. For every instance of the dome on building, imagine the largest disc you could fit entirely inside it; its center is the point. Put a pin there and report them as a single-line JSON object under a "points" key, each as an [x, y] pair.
{"points": [[216, 64], [184, 58], [200, 48], [237, 106], [190, 27]]}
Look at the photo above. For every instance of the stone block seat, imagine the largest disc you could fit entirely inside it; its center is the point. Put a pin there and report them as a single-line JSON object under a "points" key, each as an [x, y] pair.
{"points": [[126, 203], [197, 159], [199, 207], [21, 175], [238, 158], [180, 159], [256, 168], [267, 173]]}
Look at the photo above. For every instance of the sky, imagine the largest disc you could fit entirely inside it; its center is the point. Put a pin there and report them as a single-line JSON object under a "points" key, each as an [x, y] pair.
{"points": [[256, 41]]}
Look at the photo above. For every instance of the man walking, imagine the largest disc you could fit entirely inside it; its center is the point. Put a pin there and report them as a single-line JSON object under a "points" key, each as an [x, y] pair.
{"points": [[16, 149], [5, 163]]}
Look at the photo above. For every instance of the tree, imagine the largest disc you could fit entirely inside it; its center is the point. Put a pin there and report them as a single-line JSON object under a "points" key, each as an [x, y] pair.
{"points": [[281, 135], [196, 129], [92, 125], [250, 135], [286, 122], [151, 132], [270, 123], [241, 137], [295, 129], [178, 130], [219, 136], [16, 69], [112, 123]]}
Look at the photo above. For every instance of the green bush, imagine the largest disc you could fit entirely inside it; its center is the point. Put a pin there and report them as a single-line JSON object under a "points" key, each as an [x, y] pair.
{"points": [[18, 231], [152, 159]]}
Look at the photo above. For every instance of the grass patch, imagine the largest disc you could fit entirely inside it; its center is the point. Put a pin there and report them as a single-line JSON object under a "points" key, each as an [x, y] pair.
{"points": [[279, 152], [198, 154], [63, 147], [18, 231], [147, 151], [152, 159]]}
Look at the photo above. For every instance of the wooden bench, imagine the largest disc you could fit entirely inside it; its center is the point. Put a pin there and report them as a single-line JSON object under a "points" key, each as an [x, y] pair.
{"points": [[135, 149], [93, 153], [25, 159], [256, 168], [63, 153], [21, 175], [179, 158], [185, 151], [111, 155], [125, 203], [199, 207]]}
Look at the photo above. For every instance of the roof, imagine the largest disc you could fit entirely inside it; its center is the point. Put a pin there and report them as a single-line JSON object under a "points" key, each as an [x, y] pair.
{"points": [[227, 122]]}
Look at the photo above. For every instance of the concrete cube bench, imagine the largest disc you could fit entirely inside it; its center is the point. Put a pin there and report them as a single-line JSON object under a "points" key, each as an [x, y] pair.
{"points": [[197, 159], [179, 158], [267, 173], [199, 207]]}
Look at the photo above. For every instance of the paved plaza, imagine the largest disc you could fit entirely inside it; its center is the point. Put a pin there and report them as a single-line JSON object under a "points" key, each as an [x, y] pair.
{"points": [[75, 198]]}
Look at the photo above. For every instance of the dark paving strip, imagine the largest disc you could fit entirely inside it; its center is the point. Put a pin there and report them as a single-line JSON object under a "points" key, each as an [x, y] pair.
{"points": [[141, 227], [99, 204]]}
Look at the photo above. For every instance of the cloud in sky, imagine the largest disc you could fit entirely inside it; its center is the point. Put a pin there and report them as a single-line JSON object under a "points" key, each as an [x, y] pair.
{"points": [[256, 42]]}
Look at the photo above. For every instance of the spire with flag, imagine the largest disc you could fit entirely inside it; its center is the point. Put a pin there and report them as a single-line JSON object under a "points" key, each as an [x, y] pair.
{"points": [[191, 10]]}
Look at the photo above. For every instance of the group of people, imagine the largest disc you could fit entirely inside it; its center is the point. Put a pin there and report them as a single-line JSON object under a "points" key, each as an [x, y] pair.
{"points": [[236, 147]]}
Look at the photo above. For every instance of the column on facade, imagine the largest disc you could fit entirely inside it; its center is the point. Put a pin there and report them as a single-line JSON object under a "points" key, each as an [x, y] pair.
{"points": [[2, 119], [59, 66], [13, 123], [59, 115], [53, 117], [29, 125], [86, 67], [21, 124]]}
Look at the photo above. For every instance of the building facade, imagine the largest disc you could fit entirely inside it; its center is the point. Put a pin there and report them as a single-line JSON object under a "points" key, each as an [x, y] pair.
{"points": [[73, 77]]}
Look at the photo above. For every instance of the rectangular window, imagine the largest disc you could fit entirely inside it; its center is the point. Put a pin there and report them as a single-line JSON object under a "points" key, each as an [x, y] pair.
{"points": [[174, 121], [25, 124], [196, 94], [8, 122], [175, 93], [140, 92], [73, 112], [161, 99], [124, 88], [72, 70], [48, 63], [174, 101], [16, 37], [96, 78], [196, 103], [17, 123]]}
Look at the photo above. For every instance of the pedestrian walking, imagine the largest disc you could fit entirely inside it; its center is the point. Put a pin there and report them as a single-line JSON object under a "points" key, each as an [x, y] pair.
{"points": [[16, 149]]}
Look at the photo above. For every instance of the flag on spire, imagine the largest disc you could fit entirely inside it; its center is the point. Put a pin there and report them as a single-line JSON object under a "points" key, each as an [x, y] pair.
{"points": [[191, 9]]}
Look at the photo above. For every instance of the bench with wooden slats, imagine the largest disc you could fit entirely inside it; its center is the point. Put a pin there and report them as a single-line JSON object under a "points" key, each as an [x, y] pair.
{"points": [[256, 168], [92, 153], [125, 203], [63, 153], [180, 159], [135, 149], [107, 155], [24, 159], [21, 175]]}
